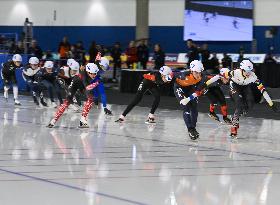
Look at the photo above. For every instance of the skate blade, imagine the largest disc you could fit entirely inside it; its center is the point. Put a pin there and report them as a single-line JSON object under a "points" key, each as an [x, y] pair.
{"points": [[82, 126], [50, 126], [233, 136], [213, 118], [150, 123]]}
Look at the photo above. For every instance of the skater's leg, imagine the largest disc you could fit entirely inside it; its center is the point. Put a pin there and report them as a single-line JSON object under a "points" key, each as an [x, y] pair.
{"points": [[87, 107], [61, 110], [156, 94], [101, 92], [211, 94], [238, 104], [49, 87], [6, 81], [136, 100], [189, 113], [248, 97], [223, 104], [58, 113], [58, 92]]}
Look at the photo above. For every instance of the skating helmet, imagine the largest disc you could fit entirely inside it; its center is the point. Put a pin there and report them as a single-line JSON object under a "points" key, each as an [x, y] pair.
{"points": [[167, 72], [92, 68], [70, 61], [74, 66], [17, 58], [247, 65], [104, 62], [33, 61], [48, 64], [196, 66], [224, 71]]}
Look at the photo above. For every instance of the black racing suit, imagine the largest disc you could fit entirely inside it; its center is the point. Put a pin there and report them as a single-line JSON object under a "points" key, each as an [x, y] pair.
{"points": [[184, 86], [9, 73], [151, 83]]}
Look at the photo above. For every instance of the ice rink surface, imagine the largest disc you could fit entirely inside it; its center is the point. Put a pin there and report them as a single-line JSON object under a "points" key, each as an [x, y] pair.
{"points": [[134, 163], [219, 28]]}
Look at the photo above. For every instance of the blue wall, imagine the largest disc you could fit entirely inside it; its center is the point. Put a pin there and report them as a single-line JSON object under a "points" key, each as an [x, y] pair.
{"points": [[170, 37]]}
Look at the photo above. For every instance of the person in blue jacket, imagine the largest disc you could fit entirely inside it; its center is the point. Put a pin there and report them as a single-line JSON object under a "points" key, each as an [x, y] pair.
{"points": [[99, 91]]}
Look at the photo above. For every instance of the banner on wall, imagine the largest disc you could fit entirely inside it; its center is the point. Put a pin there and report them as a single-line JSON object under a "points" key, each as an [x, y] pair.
{"points": [[181, 59]]}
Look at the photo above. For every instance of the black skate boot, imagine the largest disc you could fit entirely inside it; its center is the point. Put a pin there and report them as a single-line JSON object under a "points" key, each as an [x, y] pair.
{"points": [[151, 119], [193, 134], [214, 116], [226, 120], [43, 102], [35, 100], [121, 119], [51, 124], [83, 123], [107, 111]]}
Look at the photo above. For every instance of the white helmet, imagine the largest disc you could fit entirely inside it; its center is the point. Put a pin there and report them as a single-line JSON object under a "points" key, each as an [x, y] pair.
{"points": [[70, 61], [92, 68], [246, 65], [17, 58], [74, 66], [197, 66], [223, 71], [104, 62], [167, 72], [48, 64], [34, 60]]}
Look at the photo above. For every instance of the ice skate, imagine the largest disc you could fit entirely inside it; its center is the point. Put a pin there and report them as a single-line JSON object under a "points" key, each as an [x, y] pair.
{"points": [[227, 120], [51, 124], [43, 102], [214, 116], [193, 134], [83, 123], [107, 111], [151, 119], [121, 119], [17, 102]]}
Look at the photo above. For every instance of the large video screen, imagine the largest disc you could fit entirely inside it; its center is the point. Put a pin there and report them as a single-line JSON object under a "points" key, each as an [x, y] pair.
{"points": [[218, 20]]}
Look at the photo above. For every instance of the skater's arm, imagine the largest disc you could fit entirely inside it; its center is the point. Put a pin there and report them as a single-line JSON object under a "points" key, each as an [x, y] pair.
{"points": [[185, 101], [92, 86], [213, 80], [264, 92], [101, 90]]}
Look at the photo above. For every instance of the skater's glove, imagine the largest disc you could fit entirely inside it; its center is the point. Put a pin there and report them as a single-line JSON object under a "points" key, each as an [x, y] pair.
{"points": [[185, 101]]}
